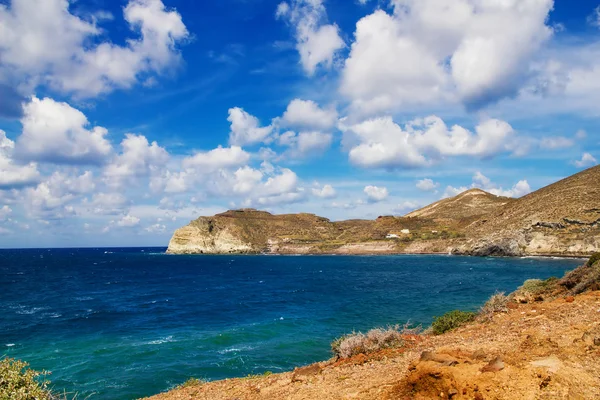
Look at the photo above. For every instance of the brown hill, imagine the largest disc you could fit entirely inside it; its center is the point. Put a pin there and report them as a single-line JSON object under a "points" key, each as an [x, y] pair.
{"points": [[562, 218], [471, 204]]}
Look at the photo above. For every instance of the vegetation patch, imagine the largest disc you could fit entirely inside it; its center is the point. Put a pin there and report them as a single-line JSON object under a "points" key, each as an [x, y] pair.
{"points": [[498, 303], [372, 341], [593, 259], [451, 320], [18, 382], [192, 382], [538, 286]]}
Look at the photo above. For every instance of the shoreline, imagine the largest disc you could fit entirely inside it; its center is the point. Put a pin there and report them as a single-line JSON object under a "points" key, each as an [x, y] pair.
{"points": [[553, 256], [507, 352]]}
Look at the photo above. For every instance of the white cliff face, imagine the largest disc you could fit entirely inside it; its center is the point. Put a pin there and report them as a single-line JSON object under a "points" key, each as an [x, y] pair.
{"points": [[195, 240]]}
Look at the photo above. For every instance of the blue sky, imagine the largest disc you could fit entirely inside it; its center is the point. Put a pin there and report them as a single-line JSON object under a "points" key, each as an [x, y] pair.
{"points": [[123, 120]]}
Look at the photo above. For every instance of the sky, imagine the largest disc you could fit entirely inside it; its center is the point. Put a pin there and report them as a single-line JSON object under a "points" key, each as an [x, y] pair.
{"points": [[122, 120]]}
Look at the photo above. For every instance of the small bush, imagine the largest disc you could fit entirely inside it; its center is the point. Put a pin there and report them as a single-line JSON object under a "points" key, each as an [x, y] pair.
{"points": [[538, 286], [191, 383], [593, 259], [496, 304], [374, 340], [18, 382], [451, 320]]}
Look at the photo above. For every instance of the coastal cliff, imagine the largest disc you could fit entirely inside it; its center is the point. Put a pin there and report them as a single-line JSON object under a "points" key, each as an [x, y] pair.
{"points": [[562, 219]]}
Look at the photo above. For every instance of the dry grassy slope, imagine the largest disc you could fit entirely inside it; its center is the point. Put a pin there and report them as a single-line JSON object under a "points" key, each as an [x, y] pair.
{"points": [[559, 219], [470, 204], [575, 198]]}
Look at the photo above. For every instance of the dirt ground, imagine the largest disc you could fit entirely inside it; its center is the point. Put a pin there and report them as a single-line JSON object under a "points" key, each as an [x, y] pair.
{"points": [[545, 350]]}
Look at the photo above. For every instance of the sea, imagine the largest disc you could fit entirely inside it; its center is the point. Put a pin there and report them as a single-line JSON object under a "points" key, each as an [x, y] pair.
{"points": [[125, 323]]}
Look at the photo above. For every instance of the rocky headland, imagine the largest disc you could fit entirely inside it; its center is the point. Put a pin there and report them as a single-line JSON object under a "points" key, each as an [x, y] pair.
{"points": [[562, 219]]}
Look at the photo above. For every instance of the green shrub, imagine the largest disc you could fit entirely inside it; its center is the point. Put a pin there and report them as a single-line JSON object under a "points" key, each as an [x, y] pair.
{"points": [[451, 320], [593, 259], [538, 286], [18, 382], [191, 383]]}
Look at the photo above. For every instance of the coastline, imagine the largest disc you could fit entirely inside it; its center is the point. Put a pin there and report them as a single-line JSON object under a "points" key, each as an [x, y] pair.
{"points": [[541, 344]]}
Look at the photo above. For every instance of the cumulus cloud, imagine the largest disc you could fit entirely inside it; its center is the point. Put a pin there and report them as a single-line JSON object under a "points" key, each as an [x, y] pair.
{"points": [[429, 50], [316, 41], [308, 114], [481, 181], [221, 157], [380, 142], [405, 207], [376, 194], [587, 160], [57, 133], [5, 212], [12, 174], [427, 185], [305, 144], [128, 221], [553, 143], [138, 158], [325, 192], [111, 203], [52, 198], [245, 128], [43, 43]]}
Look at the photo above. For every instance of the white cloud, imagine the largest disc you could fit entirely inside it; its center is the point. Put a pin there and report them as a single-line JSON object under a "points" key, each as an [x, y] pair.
{"points": [[587, 160], [380, 142], [406, 207], [156, 228], [13, 174], [42, 42], [481, 181], [427, 185], [5, 212], [245, 128], [553, 143], [139, 158], [313, 142], [594, 19], [56, 132], [108, 203], [581, 134], [221, 157], [326, 192], [128, 221], [52, 199], [308, 114], [304, 144], [376, 194], [316, 41], [246, 179], [430, 51]]}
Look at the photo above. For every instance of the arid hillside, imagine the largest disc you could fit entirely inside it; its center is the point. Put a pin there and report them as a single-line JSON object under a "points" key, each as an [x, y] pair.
{"points": [[561, 219], [468, 205]]}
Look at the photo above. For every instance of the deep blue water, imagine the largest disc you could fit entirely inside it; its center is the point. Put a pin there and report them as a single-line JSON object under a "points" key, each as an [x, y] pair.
{"points": [[125, 323]]}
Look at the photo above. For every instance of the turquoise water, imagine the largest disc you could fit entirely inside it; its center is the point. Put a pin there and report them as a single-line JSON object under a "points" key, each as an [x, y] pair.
{"points": [[126, 323]]}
